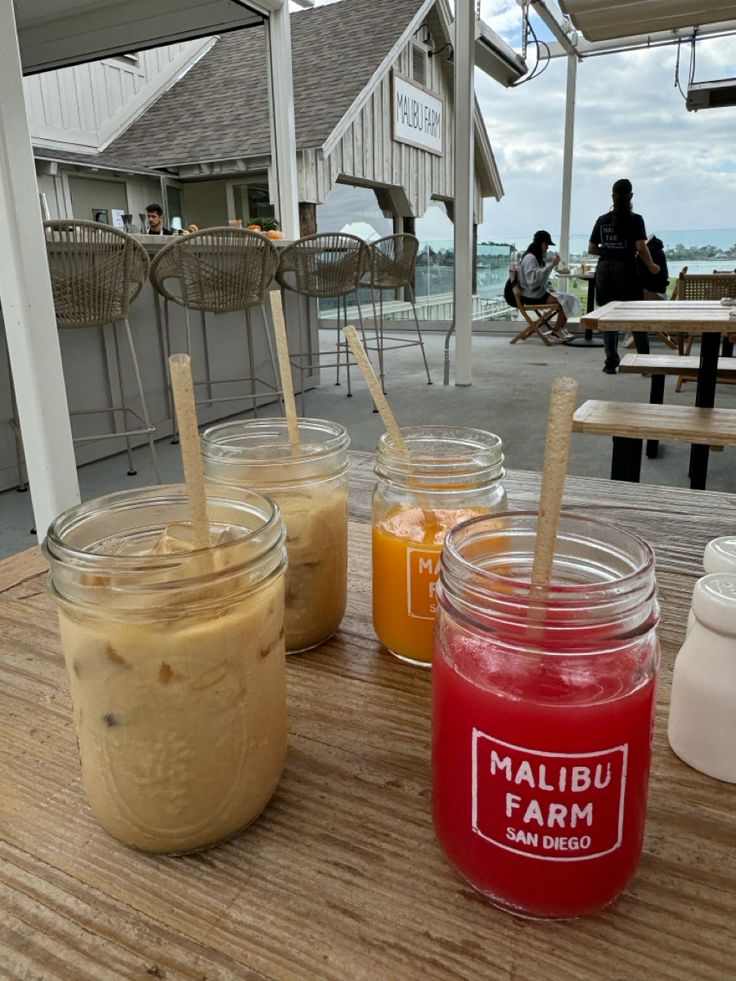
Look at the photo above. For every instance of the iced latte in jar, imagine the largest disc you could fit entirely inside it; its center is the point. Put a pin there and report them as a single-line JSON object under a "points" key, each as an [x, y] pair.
{"points": [[309, 484], [175, 658]]}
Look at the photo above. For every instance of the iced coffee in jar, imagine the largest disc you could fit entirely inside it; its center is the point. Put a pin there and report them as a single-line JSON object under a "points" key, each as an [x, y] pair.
{"points": [[450, 475], [309, 482], [175, 658]]}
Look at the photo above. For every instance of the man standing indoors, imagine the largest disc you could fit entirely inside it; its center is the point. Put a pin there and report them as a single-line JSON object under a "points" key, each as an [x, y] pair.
{"points": [[155, 220]]}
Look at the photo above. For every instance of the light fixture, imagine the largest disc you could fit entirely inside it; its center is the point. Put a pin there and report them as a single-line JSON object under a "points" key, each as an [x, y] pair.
{"points": [[428, 40], [447, 44], [710, 95]]}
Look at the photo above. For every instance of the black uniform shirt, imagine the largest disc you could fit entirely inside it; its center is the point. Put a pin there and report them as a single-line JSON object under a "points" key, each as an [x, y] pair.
{"points": [[614, 244]]}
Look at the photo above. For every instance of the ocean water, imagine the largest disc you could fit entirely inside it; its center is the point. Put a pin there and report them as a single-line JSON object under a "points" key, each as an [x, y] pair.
{"points": [[435, 275], [721, 238]]}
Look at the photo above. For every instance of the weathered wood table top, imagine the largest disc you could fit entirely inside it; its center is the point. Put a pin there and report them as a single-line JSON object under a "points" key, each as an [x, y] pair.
{"points": [[341, 877], [678, 316]]}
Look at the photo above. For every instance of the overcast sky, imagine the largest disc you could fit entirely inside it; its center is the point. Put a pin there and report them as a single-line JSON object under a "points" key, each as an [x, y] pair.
{"points": [[631, 122]]}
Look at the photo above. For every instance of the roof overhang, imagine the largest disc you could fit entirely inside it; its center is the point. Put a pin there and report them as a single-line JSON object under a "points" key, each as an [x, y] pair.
{"points": [[55, 33], [604, 20]]}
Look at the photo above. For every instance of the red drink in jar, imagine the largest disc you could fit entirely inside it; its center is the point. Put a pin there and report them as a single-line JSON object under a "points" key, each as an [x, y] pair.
{"points": [[543, 711]]}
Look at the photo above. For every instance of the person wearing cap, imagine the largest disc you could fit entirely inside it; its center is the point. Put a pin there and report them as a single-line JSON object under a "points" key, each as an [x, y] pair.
{"points": [[155, 220], [534, 273], [618, 237]]}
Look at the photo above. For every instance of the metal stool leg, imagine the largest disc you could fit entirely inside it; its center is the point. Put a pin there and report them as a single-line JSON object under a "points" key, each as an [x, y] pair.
{"points": [[339, 346], [144, 404], [251, 361], [378, 330], [208, 373], [302, 373], [172, 410], [345, 341], [419, 333], [131, 469]]}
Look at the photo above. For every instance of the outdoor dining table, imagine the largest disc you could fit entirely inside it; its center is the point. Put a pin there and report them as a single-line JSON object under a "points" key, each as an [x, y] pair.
{"points": [[341, 877], [587, 276], [693, 317]]}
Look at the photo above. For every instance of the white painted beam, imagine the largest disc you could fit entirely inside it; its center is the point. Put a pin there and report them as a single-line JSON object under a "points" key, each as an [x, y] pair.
{"points": [[283, 132], [572, 74], [464, 154], [72, 32], [636, 42], [27, 301]]}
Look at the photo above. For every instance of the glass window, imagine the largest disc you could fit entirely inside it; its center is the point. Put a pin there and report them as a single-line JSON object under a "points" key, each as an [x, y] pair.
{"points": [[173, 204], [253, 201]]}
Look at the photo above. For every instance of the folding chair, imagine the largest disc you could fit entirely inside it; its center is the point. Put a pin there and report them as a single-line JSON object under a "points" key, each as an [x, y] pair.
{"points": [[538, 316]]}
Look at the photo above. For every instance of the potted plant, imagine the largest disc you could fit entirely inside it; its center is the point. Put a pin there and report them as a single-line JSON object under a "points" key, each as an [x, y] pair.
{"points": [[266, 224]]}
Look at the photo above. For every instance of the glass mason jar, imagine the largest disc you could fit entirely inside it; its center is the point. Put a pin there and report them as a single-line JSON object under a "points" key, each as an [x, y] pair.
{"points": [[310, 487], [452, 474], [175, 659], [543, 710]]}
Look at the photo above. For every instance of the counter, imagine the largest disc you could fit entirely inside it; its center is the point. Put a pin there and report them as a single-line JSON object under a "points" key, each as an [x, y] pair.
{"points": [[219, 340]]}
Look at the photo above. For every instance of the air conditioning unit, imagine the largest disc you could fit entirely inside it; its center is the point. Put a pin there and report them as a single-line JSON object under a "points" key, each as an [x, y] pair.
{"points": [[711, 95]]}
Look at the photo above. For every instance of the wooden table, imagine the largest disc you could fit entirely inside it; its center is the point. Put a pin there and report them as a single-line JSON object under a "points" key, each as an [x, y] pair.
{"points": [[586, 338], [342, 877], [697, 317]]}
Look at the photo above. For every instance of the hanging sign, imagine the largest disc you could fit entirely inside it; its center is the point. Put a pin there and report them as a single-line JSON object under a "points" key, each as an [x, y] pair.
{"points": [[418, 117]]}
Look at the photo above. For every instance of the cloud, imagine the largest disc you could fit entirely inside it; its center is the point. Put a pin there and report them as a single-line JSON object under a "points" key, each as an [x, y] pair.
{"points": [[630, 121]]}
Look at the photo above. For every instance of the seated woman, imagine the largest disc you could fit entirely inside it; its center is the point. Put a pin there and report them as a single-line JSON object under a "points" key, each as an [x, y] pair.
{"points": [[533, 275]]}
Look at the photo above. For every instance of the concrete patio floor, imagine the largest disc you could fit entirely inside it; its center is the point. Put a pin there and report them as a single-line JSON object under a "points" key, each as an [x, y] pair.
{"points": [[509, 396]]}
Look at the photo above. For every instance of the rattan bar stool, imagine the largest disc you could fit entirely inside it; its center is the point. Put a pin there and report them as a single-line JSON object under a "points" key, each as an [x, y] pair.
{"points": [[328, 265], [220, 270], [391, 265], [96, 272]]}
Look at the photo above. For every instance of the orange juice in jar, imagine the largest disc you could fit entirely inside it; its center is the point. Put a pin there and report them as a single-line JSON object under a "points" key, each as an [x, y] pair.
{"points": [[451, 475]]}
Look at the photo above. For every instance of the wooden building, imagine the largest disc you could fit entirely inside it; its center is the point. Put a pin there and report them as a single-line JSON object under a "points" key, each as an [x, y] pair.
{"points": [[373, 106]]}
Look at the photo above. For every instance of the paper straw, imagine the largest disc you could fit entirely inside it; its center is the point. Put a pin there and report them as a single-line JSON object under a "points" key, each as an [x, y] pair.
{"points": [[559, 429], [374, 387], [180, 369], [287, 386]]}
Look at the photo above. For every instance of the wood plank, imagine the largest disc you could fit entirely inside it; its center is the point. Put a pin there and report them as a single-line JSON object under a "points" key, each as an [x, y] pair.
{"points": [[641, 420], [341, 877], [672, 364], [675, 316], [18, 568]]}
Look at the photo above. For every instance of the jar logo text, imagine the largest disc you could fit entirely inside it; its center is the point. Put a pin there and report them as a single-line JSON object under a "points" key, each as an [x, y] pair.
{"points": [[422, 573], [554, 806]]}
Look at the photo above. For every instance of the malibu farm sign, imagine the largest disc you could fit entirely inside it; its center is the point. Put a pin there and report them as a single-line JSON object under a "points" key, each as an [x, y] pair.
{"points": [[418, 117]]}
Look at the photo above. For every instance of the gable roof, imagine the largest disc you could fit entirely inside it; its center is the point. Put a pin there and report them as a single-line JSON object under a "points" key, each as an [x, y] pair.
{"points": [[203, 117]]}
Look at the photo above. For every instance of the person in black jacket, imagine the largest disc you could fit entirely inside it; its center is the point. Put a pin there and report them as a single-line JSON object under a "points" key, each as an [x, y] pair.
{"points": [[618, 237], [654, 284]]}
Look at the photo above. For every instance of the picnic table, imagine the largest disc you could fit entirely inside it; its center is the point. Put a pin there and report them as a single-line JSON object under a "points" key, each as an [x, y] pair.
{"points": [[341, 877], [694, 317]]}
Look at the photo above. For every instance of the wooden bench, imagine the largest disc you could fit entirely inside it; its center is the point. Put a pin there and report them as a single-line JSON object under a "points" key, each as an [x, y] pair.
{"points": [[660, 365], [631, 422]]}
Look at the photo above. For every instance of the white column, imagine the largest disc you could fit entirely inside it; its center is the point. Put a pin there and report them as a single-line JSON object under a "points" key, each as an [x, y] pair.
{"points": [[464, 153], [27, 302], [283, 136], [572, 74]]}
